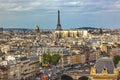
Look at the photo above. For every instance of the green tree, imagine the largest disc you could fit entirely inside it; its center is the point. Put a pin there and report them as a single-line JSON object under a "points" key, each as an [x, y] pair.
{"points": [[46, 58], [55, 58], [50, 59], [116, 59]]}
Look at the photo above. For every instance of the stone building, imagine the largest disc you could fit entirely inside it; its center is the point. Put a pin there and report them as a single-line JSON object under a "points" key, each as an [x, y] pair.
{"points": [[29, 67], [104, 69]]}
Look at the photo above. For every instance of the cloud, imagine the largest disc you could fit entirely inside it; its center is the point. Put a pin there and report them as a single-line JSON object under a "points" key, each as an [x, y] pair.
{"points": [[10, 5], [75, 6], [20, 8], [73, 3]]}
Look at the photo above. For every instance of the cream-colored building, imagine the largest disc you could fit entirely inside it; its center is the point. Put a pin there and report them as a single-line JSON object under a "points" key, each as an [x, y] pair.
{"points": [[104, 75], [29, 67], [104, 70], [104, 47], [72, 59], [76, 59], [71, 33], [24, 68]]}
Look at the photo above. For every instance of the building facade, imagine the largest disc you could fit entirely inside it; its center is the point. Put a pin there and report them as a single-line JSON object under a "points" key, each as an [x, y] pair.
{"points": [[104, 69]]}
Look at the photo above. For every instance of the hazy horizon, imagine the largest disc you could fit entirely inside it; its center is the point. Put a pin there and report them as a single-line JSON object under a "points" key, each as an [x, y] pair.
{"points": [[74, 14]]}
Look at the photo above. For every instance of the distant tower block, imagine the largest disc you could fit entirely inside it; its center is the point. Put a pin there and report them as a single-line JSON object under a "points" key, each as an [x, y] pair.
{"points": [[58, 23], [37, 29]]}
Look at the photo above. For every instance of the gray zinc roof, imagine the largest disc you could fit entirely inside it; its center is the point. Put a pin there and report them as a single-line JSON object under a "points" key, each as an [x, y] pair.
{"points": [[104, 62]]}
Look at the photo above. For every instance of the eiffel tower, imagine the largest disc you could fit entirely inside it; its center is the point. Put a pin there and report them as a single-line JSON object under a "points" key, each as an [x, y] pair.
{"points": [[58, 23]]}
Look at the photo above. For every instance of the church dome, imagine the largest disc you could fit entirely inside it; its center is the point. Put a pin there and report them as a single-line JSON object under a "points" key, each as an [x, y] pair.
{"points": [[104, 63], [37, 28]]}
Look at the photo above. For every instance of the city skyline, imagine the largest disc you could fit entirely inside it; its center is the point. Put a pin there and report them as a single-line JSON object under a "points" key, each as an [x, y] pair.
{"points": [[74, 14]]}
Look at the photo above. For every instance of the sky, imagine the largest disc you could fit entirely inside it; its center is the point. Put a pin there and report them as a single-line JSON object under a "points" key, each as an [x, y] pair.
{"points": [[74, 13]]}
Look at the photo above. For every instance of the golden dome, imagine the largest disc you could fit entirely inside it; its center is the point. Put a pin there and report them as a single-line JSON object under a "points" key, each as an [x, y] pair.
{"points": [[37, 28]]}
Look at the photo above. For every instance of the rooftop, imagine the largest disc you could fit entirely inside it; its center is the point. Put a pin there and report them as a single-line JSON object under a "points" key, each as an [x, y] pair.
{"points": [[104, 62]]}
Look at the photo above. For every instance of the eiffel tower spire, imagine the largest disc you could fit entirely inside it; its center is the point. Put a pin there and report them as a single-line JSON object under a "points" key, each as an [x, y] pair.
{"points": [[58, 23]]}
